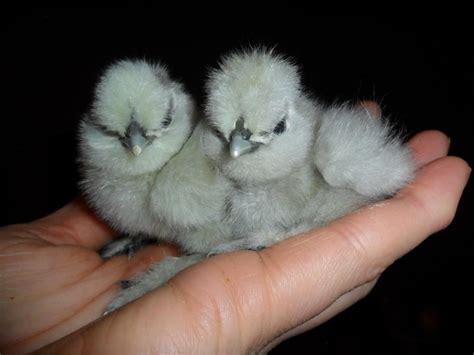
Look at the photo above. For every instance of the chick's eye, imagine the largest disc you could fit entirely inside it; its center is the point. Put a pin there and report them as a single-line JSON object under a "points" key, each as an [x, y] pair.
{"points": [[218, 133], [167, 121], [280, 127]]}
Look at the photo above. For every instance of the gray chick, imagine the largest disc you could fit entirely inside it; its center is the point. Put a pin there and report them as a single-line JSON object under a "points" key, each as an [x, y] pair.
{"points": [[143, 170], [293, 163]]}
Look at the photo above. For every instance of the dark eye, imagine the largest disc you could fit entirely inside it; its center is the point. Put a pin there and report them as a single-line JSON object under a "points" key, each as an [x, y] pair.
{"points": [[167, 121], [89, 120], [280, 127], [217, 133]]}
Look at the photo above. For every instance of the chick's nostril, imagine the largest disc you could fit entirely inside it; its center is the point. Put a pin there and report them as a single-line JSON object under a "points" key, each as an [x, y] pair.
{"points": [[124, 141], [246, 134]]}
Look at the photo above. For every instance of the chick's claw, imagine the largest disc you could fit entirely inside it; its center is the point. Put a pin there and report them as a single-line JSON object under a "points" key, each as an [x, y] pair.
{"points": [[124, 246]]}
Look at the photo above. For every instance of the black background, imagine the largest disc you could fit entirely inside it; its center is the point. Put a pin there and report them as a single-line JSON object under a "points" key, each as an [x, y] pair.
{"points": [[420, 70]]}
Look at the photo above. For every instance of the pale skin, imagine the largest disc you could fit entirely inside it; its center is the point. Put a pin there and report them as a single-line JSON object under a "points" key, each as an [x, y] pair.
{"points": [[55, 287]]}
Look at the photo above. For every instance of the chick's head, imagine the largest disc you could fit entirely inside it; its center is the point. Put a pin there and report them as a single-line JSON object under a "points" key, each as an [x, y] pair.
{"points": [[261, 123], [139, 119]]}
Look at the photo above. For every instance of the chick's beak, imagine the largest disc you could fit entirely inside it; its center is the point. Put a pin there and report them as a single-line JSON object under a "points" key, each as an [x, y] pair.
{"points": [[135, 139], [240, 142], [238, 146]]}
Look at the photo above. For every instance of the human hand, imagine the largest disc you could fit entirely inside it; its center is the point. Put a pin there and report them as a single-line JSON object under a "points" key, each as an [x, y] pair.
{"points": [[239, 302], [52, 279]]}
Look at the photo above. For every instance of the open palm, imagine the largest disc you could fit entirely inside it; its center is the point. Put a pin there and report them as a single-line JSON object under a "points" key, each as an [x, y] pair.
{"points": [[54, 283]]}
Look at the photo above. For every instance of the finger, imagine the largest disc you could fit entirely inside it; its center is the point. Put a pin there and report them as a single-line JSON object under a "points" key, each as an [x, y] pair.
{"points": [[262, 295], [74, 224], [356, 249], [372, 108], [341, 304], [147, 256], [82, 318], [428, 146], [62, 305], [68, 344]]}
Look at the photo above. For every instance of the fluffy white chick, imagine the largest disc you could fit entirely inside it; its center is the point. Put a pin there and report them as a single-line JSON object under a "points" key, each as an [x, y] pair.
{"points": [[144, 171], [139, 120], [265, 128]]}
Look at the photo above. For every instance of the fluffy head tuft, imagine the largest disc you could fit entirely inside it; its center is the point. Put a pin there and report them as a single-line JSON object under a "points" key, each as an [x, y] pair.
{"points": [[258, 85], [261, 90]]}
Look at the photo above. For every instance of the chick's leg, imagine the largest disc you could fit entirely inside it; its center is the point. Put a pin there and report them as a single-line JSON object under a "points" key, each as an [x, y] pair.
{"points": [[154, 277], [124, 246], [254, 241]]}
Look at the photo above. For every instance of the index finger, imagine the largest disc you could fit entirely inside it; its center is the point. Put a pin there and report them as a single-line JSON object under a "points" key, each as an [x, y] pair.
{"points": [[74, 224]]}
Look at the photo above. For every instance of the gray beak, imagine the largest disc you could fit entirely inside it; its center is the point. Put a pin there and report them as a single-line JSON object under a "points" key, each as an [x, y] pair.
{"points": [[135, 139], [239, 146], [240, 142]]}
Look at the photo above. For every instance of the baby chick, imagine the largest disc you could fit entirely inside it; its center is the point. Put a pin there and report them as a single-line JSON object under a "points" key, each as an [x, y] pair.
{"points": [[144, 171], [139, 120], [282, 150]]}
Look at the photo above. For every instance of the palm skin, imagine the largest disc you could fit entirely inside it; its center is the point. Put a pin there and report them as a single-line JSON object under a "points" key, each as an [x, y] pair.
{"points": [[53, 282]]}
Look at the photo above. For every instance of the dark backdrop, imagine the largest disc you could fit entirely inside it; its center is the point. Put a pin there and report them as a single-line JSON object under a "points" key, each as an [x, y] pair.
{"points": [[419, 69]]}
